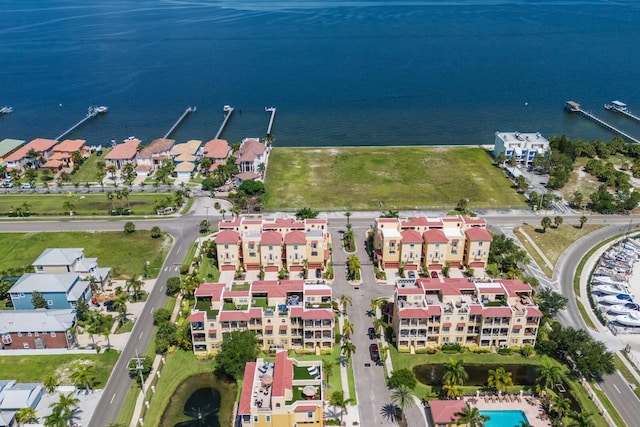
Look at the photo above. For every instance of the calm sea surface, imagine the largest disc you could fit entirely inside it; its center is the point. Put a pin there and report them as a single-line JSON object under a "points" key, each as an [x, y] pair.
{"points": [[340, 72]]}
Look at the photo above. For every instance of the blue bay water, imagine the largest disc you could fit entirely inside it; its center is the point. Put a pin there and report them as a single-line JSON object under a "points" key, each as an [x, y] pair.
{"points": [[339, 72]]}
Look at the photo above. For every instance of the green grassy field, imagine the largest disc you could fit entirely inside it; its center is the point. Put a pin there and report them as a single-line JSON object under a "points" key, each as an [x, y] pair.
{"points": [[83, 204], [398, 177], [88, 172], [126, 253], [555, 241]]}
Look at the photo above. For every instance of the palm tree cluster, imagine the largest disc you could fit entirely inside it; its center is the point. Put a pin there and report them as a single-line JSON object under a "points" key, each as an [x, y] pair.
{"points": [[353, 268], [454, 377], [64, 411], [348, 348]]}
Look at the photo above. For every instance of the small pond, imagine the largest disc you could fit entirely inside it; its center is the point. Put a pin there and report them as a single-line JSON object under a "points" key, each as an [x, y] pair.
{"points": [[195, 403], [478, 374]]}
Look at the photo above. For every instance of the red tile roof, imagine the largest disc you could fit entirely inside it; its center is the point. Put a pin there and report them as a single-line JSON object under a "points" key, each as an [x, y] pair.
{"points": [[295, 237], [419, 221], [475, 309], [305, 408], [69, 145], [478, 234], [410, 291], [227, 236], [419, 313], [411, 236], [282, 375], [157, 146], [533, 312], [435, 236], [229, 316], [317, 292], [271, 238], [473, 220], [247, 176], [53, 164], [198, 316], [443, 411], [497, 312], [247, 390], [39, 144], [249, 150], [514, 286], [217, 149], [125, 151], [317, 314], [213, 290]]}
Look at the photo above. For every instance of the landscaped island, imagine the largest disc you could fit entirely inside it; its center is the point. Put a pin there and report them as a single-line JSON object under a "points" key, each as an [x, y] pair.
{"points": [[371, 178]]}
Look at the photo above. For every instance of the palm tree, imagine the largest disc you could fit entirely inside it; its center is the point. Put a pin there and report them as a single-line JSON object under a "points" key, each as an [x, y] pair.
{"points": [[451, 391], [348, 215], [121, 305], [548, 376], [125, 193], [378, 324], [377, 303], [84, 376], [68, 206], [66, 407], [403, 399], [222, 212], [55, 419], [557, 221], [471, 416], [546, 223], [105, 332], [561, 405], [26, 415], [327, 368], [344, 300], [583, 220], [581, 419], [51, 382], [112, 169], [455, 374], [110, 198], [189, 284], [347, 328], [337, 399], [134, 284], [347, 349], [500, 379]]}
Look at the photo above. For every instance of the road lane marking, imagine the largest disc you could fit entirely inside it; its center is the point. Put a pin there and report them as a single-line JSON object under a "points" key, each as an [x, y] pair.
{"points": [[114, 396], [162, 287], [617, 389], [152, 308], [179, 247], [140, 337], [166, 268]]}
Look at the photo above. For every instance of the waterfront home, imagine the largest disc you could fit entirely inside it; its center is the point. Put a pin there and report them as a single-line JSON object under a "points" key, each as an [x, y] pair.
{"points": [[34, 154], [36, 329], [8, 146], [492, 313], [287, 314], [62, 153], [71, 260], [123, 153], [217, 150], [284, 393], [431, 243], [60, 290], [152, 155], [523, 146], [251, 155]]}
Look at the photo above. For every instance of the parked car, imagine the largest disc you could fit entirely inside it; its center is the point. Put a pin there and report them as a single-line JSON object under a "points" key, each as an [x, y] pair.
{"points": [[26, 186], [374, 352], [372, 333], [110, 305]]}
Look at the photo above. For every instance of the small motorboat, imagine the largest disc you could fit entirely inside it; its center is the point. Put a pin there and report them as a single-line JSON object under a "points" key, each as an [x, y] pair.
{"points": [[616, 299], [631, 319]]}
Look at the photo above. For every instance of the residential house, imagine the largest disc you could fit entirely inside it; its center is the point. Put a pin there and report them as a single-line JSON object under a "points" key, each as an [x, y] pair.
{"points": [[217, 150], [151, 156], [251, 155], [285, 393], [185, 156], [62, 153], [72, 260], [60, 290], [432, 312], [443, 412], [15, 396], [21, 158], [36, 329], [8, 146], [123, 154], [431, 243], [251, 242], [284, 314], [523, 146]]}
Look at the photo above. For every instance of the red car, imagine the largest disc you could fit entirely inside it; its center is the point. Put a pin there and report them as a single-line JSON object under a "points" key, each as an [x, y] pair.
{"points": [[374, 352]]}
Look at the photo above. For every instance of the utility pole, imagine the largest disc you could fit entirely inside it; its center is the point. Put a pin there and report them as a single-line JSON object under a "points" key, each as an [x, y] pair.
{"points": [[140, 367]]}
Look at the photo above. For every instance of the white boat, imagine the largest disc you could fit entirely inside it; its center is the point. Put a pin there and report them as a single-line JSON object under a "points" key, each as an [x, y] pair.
{"points": [[630, 319], [6, 110], [608, 289], [622, 308], [607, 280], [615, 299], [101, 109]]}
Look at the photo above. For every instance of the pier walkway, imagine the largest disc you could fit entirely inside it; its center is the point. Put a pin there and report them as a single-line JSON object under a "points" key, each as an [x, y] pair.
{"points": [[91, 113], [271, 110], [574, 107], [625, 112], [177, 123], [228, 110]]}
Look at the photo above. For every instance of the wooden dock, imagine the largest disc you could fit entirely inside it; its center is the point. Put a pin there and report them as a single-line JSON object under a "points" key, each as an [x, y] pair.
{"points": [[574, 107], [271, 110], [177, 123], [228, 110], [91, 113], [624, 112]]}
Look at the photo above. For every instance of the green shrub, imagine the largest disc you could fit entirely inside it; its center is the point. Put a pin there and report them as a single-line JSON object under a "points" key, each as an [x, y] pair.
{"points": [[504, 351], [404, 377]]}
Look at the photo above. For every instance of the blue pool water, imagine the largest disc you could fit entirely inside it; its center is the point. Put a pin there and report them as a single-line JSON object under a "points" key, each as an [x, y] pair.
{"points": [[504, 418]]}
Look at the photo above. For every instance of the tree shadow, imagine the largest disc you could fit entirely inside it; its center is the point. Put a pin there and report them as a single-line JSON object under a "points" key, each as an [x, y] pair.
{"points": [[390, 412], [539, 230]]}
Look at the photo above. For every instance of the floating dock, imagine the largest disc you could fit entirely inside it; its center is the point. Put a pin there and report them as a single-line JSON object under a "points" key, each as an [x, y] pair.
{"points": [[177, 123], [91, 113], [228, 110], [621, 107], [574, 107], [271, 110]]}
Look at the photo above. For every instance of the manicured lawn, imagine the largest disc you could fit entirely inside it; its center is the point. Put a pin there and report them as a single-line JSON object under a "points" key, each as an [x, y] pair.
{"points": [[398, 177], [335, 382], [28, 369], [88, 172], [533, 253], [556, 240], [126, 254], [83, 204]]}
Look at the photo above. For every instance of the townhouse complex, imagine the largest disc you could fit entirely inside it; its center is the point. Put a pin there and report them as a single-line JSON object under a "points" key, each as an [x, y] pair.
{"points": [[287, 314], [247, 243], [286, 392], [490, 313], [431, 243]]}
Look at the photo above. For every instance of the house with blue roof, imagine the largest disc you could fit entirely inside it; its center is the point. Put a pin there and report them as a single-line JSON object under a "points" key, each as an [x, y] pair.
{"points": [[62, 290]]}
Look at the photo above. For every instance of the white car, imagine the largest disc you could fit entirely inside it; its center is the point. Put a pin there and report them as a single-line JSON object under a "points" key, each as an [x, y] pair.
{"points": [[26, 186]]}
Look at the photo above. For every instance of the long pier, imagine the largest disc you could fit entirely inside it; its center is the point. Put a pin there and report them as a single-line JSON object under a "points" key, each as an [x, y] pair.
{"points": [[228, 110], [177, 123], [622, 111], [272, 110], [574, 107], [91, 113]]}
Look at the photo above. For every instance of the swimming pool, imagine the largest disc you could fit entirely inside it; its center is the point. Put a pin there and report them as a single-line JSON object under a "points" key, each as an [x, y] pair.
{"points": [[504, 418]]}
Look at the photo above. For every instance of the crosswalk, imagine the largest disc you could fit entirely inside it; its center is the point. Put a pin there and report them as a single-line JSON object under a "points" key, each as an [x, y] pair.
{"points": [[172, 268]]}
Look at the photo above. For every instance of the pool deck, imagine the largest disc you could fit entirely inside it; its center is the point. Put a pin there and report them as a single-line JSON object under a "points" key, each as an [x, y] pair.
{"points": [[529, 405]]}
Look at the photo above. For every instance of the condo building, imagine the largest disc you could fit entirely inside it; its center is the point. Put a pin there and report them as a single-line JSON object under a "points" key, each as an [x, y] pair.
{"points": [[432, 312], [431, 243], [523, 146], [287, 314]]}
